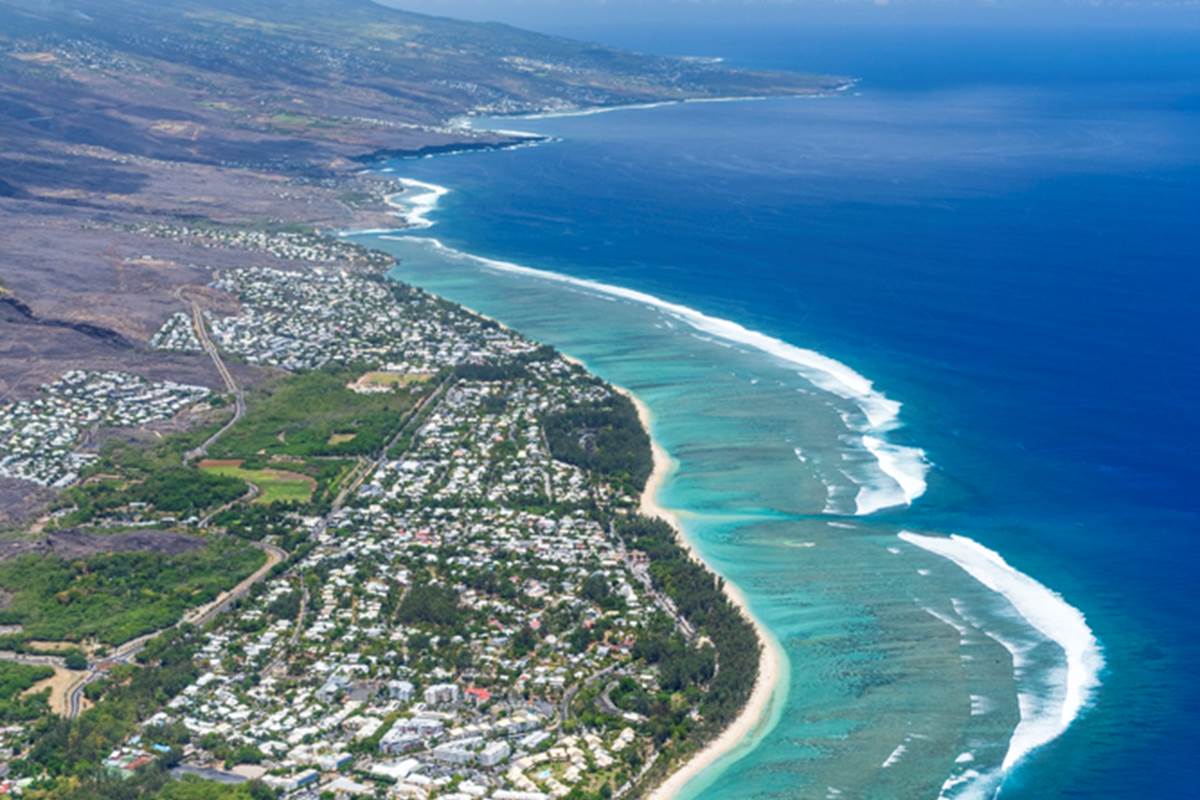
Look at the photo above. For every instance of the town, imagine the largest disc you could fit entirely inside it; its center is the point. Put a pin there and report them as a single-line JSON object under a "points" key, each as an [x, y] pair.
{"points": [[462, 617], [433, 637], [39, 438]]}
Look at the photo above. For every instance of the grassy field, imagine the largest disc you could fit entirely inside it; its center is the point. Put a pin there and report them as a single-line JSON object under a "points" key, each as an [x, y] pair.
{"points": [[314, 414], [274, 485], [151, 473]]}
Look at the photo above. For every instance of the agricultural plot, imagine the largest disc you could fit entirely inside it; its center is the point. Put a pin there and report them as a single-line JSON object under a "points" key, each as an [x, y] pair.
{"points": [[274, 485]]}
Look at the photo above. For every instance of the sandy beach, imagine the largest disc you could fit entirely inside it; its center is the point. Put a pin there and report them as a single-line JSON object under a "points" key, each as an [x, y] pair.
{"points": [[771, 666], [771, 662]]}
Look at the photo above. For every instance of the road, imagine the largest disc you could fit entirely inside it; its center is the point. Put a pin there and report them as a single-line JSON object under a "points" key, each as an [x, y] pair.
{"points": [[205, 614], [248, 497], [564, 712], [198, 617], [297, 630], [33, 660], [239, 410], [57, 663], [642, 573]]}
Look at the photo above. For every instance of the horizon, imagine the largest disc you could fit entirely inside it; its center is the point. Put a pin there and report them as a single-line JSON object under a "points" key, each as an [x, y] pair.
{"points": [[567, 18]]}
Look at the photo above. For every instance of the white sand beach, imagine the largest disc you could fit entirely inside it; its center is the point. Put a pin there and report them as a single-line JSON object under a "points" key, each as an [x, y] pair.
{"points": [[771, 661]]}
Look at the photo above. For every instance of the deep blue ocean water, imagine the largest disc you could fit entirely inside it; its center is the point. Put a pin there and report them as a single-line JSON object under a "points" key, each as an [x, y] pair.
{"points": [[1000, 229]]}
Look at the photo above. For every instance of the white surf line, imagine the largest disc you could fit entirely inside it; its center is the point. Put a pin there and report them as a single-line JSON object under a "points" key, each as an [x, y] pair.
{"points": [[906, 466], [588, 111], [416, 206], [1042, 719], [901, 469], [896, 755], [592, 111]]}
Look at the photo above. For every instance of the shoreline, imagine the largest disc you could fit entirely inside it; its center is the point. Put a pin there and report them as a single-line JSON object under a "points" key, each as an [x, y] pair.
{"points": [[905, 466], [467, 120], [771, 662]]}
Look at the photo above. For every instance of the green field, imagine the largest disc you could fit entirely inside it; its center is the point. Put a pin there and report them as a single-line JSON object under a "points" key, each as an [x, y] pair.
{"points": [[151, 473], [115, 597], [314, 414], [274, 485]]}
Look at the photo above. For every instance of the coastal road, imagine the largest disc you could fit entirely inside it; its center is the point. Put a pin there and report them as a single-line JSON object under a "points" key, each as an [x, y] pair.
{"points": [[200, 328], [642, 573]]}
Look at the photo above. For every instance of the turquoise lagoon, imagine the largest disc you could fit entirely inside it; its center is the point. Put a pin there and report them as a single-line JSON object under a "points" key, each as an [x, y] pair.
{"points": [[900, 674], [994, 236]]}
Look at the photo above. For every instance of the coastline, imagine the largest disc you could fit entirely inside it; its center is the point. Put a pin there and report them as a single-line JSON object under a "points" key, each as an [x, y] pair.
{"points": [[900, 481], [466, 120], [771, 662], [1056, 619]]}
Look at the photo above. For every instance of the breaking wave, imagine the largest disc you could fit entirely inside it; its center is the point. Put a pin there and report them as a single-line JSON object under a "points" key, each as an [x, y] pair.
{"points": [[1046, 710], [897, 476]]}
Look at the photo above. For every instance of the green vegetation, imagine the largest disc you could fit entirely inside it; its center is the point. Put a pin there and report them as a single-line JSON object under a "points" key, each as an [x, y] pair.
{"points": [[149, 475], [174, 490], [193, 788], [606, 438], [700, 598], [274, 485], [430, 604], [303, 414], [231, 755], [70, 751], [256, 522], [14, 680], [115, 597], [513, 369]]}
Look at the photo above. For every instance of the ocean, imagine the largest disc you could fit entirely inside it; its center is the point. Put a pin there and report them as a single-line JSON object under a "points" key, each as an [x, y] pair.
{"points": [[924, 354]]}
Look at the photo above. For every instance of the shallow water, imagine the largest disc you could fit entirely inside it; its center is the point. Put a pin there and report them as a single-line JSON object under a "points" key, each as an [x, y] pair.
{"points": [[871, 669], [1012, 264]]}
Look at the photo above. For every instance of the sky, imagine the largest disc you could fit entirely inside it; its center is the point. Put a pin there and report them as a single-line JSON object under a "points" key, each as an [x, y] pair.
{"points": [[572, 16]]}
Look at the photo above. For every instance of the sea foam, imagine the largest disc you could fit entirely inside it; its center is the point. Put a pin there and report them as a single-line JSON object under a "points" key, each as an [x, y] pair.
{"points": [[1045, 715], [417, 201], [898, 473]]}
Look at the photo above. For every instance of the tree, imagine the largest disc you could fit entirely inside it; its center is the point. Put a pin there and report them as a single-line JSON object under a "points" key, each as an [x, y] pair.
{"points": [[595, 587]]}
